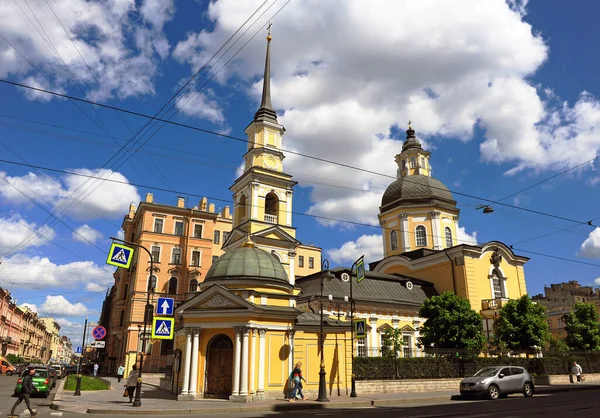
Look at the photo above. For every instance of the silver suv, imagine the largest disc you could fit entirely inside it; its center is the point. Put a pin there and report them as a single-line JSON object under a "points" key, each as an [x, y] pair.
{"points": [[497, 382]]}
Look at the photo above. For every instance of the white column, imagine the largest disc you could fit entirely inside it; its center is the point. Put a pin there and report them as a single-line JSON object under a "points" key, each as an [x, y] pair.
{"points": [[261, 360], [435, 230], [374, 342], [253, 361], [254, 201], [244, 376], [292, 258], [405, 232], [289, 195], [291, 357], [236, 362], [187, 362], [395, 323], [195, 349]]}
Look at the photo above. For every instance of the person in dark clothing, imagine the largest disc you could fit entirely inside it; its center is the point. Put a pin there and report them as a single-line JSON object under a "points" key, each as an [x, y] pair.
{"points": [[26, 389]]}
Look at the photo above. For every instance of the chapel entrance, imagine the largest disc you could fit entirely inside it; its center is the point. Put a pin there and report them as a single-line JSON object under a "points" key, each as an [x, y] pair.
{"points": [[219, 367]]}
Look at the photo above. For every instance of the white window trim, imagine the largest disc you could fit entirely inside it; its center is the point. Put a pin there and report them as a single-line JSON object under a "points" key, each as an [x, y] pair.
{"points": [[160, 253], [182, 227], [172, 251], [162, 229], [502, 282], [447, 228], [199, 258], [194, 229], [416, 242]]}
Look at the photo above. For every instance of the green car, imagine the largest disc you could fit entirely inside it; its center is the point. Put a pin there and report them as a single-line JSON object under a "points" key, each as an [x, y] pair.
{"points": [[41, 381]]}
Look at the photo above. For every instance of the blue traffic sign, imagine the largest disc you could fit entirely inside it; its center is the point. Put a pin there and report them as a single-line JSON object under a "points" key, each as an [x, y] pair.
{"points": [[360, 326], [165, 306], [162, 328], [120, 255], [78, 351], [99, 332]]}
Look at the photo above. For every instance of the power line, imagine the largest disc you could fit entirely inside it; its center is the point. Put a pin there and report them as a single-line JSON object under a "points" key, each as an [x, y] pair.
{"points": [[293, 212], [320, 159]]}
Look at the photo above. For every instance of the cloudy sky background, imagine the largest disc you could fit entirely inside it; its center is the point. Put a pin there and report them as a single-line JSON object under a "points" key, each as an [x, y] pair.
{"points": [[504, 94]]}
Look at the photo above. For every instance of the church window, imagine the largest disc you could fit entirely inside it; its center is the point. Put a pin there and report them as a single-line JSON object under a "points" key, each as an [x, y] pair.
{"points": [[421, 236], [300, 261], [423, 162], [193, 285], [448, 237], [172, 290], [240, 209], [271, 207], [497, 285], [413, 162], [394, 240], [407, 346]]}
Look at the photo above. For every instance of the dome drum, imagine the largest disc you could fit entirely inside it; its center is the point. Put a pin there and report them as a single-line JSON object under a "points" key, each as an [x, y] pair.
{"points": [[417, 190]]}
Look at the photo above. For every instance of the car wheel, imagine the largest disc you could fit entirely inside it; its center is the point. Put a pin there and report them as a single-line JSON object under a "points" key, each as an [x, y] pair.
{"points": [[493, 392], [9, 373], [45, 395], [528, 389]]}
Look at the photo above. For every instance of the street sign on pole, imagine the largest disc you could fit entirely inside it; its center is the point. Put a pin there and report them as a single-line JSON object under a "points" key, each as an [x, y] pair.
{"points": [[165, 306], [360, 326], [162, 328], [99, 332], [98, 344], [360, 269], [120, 255], [78, 351]]}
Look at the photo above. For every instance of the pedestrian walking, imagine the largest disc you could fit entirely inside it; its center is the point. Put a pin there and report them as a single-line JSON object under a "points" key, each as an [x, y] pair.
{"points": [[120, 372], [131, 382], [26, 389], [577, 371], [96, 367], [297, 379]]}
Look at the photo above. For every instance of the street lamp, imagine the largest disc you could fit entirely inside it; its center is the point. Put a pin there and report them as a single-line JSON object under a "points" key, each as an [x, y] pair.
{"points": [[325, 273], [138, 387]]}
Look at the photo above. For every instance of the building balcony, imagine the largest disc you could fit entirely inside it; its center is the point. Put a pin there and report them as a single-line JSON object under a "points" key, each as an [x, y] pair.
{"points": [[272, 219], [493, 304]]}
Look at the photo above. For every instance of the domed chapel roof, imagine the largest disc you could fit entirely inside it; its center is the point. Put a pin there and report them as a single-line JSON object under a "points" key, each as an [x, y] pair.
{"points": [[247, 262], [416, 187]]}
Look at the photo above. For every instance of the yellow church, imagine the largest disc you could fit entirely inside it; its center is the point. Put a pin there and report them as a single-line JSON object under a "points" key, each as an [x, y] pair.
{"points": [[258, 309]]}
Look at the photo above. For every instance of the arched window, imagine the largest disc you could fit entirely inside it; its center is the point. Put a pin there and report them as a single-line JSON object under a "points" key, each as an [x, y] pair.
{"points": [[393, 240], [271, 208], [448, 237], [240, 210], [421, 235], [497, 284], [193, 285], [172, 286], [152, 283]]}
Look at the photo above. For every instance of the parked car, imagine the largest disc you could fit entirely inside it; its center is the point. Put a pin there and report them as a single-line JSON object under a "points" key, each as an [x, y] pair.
{"points": [[497, 382], [60, 370], [6, 367], [51, 372], [42, 381]]}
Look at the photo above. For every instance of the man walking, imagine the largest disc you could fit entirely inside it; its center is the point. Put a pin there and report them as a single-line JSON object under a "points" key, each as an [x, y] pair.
{"points": [[26, 389], [120, 372], [577, 370]]}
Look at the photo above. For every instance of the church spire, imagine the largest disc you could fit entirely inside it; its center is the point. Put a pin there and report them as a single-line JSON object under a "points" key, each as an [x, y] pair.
{"points": [[266, 112]]}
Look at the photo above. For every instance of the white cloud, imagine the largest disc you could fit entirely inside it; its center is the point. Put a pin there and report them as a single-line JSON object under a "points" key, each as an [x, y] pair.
{"points": [[58, 305], [591, 246], [30, 306], [73, 330], [106, 33], [381, 62], [120, 234], [464, 238], [597, 281], [16, 230], [95, 287], [87, 234], [369, 245], [41, 273], [201, 106], [90, 198]]}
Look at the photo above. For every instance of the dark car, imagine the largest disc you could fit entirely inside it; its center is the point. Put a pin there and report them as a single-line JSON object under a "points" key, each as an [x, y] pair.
{"points": [[41, 381], [497, 382]]}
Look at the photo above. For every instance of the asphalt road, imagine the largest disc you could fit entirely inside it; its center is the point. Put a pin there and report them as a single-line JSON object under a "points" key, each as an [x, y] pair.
{"points": [[7, 388]]}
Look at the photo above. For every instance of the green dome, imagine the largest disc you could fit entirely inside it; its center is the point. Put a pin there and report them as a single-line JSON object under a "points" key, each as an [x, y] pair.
{"points": [[247, 262]]}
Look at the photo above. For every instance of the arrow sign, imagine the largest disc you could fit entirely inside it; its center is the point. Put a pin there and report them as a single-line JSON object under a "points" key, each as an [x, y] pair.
{"points": [[165, 306]]}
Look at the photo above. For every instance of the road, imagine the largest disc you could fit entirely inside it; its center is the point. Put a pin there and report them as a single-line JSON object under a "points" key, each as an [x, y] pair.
{"points": [[7, 388]]}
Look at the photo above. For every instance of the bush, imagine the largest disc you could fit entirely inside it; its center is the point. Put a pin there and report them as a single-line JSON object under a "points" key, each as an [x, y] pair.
{"points": [[453, 366]]}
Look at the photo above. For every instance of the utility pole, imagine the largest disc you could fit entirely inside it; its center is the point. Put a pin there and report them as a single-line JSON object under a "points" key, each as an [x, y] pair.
{"points": [[78, 386]]}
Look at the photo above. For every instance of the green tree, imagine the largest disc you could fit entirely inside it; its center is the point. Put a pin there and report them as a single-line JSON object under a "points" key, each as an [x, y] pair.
{"points": [[451, 324], [557, 345], [15, 359], [522, 325], [583, 327], [392, 344]]}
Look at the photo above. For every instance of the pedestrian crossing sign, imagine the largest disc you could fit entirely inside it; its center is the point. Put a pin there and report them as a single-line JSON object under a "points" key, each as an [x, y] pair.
{"points": [[120, 255], [360, 269], [162, 328], [360, 328]]}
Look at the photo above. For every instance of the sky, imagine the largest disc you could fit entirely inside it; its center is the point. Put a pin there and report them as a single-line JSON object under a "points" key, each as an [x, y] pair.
{"points": [[504, 94]]}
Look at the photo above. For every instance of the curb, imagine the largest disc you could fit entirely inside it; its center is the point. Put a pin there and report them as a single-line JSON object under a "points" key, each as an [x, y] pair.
{"points": [[58, 394]]}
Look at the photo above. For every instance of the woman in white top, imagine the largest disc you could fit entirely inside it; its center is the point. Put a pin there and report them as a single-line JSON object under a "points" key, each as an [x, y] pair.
{"points": [[577, 370]]}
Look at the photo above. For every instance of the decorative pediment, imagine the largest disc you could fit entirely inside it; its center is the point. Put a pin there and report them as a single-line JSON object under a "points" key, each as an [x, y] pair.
{"points": [[154, 268], [175, 271], [215, 297], [218, 301], [384, 328], [407, 328], [196, 273], [275, 232]]}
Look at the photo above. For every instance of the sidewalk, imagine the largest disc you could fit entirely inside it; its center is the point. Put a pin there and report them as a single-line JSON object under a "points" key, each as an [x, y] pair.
{"points": [[159, 402]]}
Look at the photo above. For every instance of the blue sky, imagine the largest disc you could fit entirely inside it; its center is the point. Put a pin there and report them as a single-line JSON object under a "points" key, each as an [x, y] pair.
{"points": [[505, 95]]}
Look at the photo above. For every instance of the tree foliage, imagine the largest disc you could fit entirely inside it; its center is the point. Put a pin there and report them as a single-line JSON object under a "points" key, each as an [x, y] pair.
{"points": [[392, 342], [522, 326], [451, 324], [583, 327], [15, 359]]}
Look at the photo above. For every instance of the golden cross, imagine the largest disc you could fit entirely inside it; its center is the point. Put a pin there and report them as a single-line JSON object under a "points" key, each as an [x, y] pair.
{"points": [[409, 123]]}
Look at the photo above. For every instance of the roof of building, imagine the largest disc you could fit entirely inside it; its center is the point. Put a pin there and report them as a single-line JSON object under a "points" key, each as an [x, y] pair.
{"points": [[413, 188], [376, 287], [247, 262]]}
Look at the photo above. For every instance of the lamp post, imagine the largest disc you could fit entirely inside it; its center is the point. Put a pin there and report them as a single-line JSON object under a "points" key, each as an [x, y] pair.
{"points": [[138, 387], [353, 393], [322, 383], [78, 384]]}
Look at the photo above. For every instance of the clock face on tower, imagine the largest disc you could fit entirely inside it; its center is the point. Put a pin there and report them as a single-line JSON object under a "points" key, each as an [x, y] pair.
{"points": [[271, 162]]}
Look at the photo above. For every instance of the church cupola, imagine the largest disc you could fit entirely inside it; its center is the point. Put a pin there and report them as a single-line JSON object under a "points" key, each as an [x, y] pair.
{"points": [[413, 159]]}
